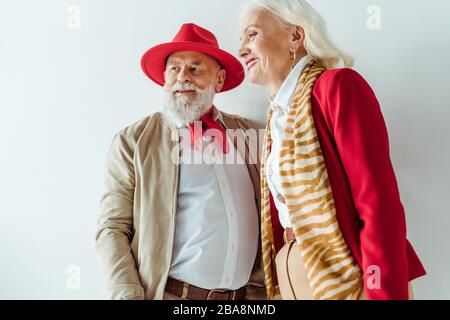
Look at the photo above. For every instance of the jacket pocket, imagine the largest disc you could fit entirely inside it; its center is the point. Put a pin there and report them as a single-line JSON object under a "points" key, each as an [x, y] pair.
{"points": [[126, 292]]}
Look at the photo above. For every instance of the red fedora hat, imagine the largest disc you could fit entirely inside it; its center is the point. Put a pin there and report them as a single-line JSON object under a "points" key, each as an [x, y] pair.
{"points": [[192, 38]]}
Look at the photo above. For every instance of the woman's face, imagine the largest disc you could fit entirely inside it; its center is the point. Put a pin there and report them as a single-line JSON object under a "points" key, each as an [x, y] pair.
{"points": [[265, 49]]}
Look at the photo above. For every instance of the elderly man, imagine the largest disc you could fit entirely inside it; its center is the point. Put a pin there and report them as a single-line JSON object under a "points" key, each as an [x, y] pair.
{"points": [[173, 228]]}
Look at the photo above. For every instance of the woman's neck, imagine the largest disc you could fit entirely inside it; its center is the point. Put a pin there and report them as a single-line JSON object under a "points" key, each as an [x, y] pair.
{"points": [[277, 82]]}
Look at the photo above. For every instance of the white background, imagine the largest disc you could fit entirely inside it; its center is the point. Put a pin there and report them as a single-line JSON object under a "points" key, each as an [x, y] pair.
{"points": [[64, 93]]}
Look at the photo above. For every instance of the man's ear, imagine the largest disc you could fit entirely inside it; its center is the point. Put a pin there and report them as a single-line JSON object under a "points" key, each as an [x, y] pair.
{"points": [[297, 38], [221, 76], [164, 84]]}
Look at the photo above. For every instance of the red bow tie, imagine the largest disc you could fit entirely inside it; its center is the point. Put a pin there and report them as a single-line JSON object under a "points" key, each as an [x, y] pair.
{"points": [[207, 124]]}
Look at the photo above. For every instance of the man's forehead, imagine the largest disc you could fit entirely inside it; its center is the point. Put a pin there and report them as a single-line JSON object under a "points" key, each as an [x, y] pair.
{"points": [[192, 57]]}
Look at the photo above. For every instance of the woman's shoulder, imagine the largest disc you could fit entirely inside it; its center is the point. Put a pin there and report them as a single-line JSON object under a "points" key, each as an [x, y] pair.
{"points": [[340, 76], [340, 81], [343, 89]]}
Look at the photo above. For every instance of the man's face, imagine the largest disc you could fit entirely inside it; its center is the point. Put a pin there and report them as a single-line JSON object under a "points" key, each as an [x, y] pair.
{"points": [[191, 81], [194, 68]]}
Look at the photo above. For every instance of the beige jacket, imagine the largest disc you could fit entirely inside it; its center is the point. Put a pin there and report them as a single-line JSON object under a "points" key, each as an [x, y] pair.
{"points": [[135, 232]]}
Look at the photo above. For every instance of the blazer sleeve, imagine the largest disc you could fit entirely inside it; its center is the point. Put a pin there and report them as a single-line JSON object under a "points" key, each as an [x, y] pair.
{"points": [[115, 223], [362, 141]]}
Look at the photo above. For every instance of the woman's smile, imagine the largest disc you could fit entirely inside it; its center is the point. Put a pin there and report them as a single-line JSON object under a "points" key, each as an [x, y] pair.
{"points": [[251, 63]]}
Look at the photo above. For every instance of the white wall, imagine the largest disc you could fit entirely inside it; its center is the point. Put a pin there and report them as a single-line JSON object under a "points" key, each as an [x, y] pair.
{"points": [[65, 92]]}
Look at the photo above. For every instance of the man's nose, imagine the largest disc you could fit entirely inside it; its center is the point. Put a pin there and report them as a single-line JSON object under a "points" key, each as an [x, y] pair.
{"points": [[183, 77]]}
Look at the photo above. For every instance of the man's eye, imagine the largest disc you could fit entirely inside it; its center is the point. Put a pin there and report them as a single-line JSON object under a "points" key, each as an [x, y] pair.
{"points": [[173, 69], [252, 34]]}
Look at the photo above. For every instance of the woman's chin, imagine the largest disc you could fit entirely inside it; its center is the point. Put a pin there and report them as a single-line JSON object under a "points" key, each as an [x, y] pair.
{"points": [[254, 79]]}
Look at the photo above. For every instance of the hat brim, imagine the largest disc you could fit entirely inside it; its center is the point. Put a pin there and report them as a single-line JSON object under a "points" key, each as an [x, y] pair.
{"points": [[153, 62]]}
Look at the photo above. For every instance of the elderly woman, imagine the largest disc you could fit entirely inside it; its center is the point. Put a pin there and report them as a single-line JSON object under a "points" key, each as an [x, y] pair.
{"points": [[333, 225]]}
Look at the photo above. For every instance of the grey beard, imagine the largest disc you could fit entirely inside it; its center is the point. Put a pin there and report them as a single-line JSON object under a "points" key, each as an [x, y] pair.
{"points": [[184, 111]]}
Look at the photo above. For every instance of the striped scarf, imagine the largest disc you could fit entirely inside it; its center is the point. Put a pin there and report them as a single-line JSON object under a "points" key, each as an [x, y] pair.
{"points": [[332, 271]]}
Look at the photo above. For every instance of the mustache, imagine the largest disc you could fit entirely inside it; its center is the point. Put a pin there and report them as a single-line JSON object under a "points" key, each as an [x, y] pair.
{"points": [[185, 86]]}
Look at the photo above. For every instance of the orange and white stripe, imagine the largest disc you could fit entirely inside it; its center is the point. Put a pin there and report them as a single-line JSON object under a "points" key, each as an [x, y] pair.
{"points": [[332, 271]]}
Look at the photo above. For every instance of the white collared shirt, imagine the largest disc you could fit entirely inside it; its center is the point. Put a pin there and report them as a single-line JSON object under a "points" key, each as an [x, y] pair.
{"points": [[216, 231], [280, 106]]}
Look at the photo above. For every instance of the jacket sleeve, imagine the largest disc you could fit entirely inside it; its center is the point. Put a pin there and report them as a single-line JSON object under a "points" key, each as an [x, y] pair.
{"points": [[115, 223], [362, 141], [255, 288]]}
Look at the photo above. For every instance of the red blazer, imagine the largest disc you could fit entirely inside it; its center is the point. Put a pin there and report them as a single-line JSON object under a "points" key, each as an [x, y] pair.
{"points": [[355, 146]]}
